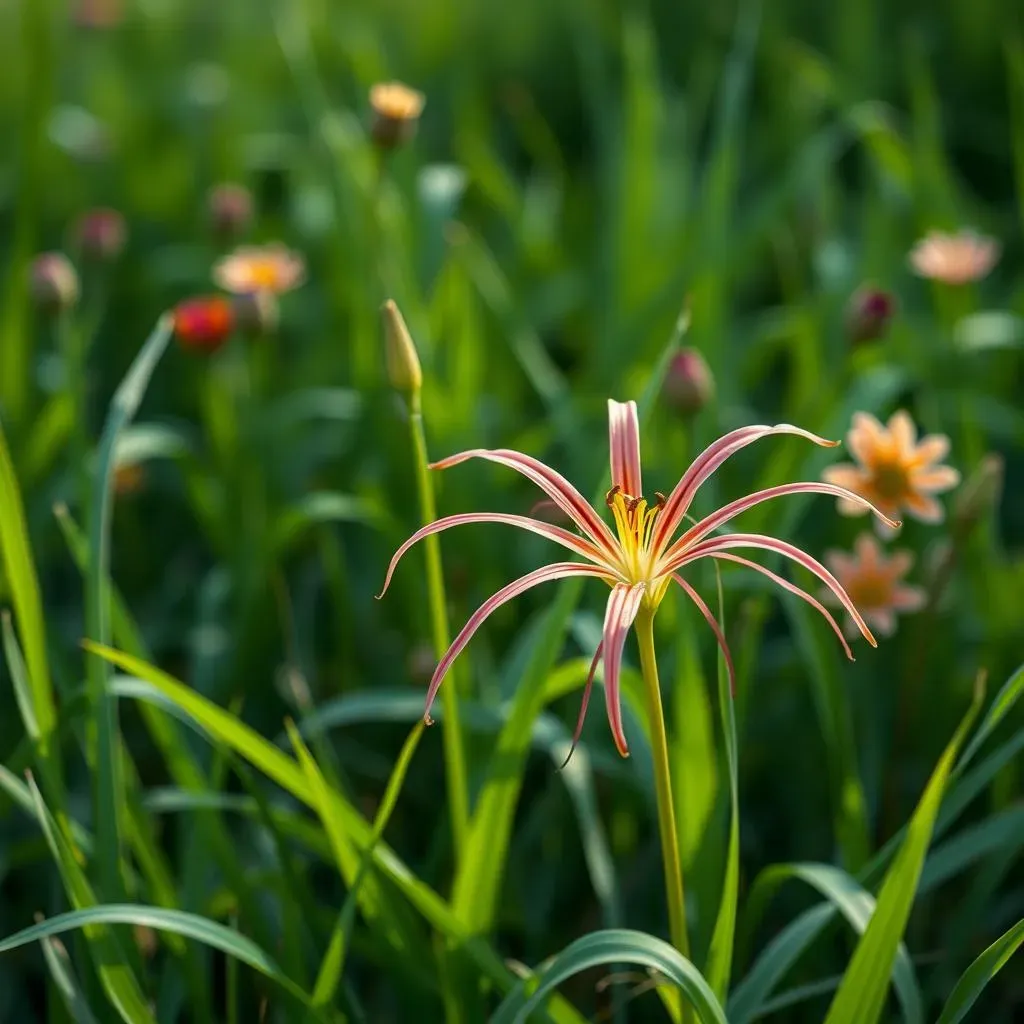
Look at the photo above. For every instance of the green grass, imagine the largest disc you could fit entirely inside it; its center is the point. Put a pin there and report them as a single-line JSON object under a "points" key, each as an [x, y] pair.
{"points": [[216, 801]]}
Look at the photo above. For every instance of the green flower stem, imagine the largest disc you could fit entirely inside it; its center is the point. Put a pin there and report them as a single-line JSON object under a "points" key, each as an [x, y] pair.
{"points": [[663, 786], [454, 752]]}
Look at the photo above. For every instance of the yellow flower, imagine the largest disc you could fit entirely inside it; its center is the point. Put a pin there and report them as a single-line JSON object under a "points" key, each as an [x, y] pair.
{"points": [[260, 268], [894, 471], [954, 259], [396, 112], [874, 583]]}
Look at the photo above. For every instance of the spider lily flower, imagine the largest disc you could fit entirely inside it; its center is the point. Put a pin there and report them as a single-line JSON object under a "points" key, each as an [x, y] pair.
{"points": [[642, 555], [260, 268]]}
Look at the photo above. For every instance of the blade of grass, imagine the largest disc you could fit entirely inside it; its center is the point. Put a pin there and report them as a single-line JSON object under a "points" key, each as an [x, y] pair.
{"points": [[973, 981]]}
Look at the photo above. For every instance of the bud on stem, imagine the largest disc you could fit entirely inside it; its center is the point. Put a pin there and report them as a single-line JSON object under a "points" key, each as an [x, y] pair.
{"points": [[403, 363]]}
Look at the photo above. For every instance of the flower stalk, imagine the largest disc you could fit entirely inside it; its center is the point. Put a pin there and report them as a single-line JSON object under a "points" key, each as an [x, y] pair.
{"points": [[667, 827]]}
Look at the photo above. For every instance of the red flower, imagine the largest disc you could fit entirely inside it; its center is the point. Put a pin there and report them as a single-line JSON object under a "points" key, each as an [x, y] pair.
{"points": [[204, 324]]}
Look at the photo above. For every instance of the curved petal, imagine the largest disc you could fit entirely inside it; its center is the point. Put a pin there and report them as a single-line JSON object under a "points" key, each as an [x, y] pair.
{"points": [[552, 483], [623, 605], [713, 623], [706, 463], [793, 589], [624, 446], [578, 731], [734, 508], [548, 530], [934, 479], [555, 571], [757, 540], [932, 448]]}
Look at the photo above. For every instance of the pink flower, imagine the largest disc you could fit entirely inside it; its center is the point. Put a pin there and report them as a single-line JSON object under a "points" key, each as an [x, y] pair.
{"points": [[894, 470], [954, 259], [642, 555], [875, 583]]}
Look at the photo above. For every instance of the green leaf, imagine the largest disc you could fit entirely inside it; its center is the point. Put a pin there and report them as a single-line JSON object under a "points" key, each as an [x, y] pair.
{"points": [[861, 996], [104, 756], [143, 442], [178, 922], [973, 981], [58, 963], [614, 946]]}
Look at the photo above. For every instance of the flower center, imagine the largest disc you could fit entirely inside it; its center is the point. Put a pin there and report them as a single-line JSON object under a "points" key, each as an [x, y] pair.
{"points": [[869, 590], [263, 274], [890, 480], [634, 523]]}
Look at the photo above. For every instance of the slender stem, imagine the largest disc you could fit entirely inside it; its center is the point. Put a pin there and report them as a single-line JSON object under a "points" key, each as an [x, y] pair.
{"points": [[454, 752], [663, 786]]}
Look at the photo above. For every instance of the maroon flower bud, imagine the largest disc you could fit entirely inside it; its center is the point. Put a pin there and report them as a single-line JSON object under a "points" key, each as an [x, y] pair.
{"points": [[230, 207], [688, 385], [868, 314], [54, 282], [100, 235]]}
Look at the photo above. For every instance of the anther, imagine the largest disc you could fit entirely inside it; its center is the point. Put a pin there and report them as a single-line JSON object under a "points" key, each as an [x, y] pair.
{"points": [[633, 502], [661, 499], [610, 496]]}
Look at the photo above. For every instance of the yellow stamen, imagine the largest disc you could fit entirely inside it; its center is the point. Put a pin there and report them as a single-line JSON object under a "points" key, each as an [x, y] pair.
{"points": [[634, 524]]}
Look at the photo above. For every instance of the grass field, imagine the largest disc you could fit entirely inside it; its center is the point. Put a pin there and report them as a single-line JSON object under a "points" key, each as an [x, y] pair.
{"points": [[219, 801]]}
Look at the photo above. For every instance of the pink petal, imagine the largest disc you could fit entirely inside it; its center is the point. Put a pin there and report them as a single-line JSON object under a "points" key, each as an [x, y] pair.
{"points": [[624, 445], [841, 564], [757, 540], [578, 731], [883, 620], [899, 564], [793, 589], [845, 507], [713, 623], [908, 599], [845, 474], [903, 432], [939, 478], [552, 532], [734, 508], [924, 508], [706, 463], [868, 552], [556, 571], [623, 605], [552, 483], [933, 448], [866, 435]]}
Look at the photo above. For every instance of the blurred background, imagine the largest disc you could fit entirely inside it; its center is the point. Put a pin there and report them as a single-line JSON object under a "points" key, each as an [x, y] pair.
{"points": [[583, 171]]}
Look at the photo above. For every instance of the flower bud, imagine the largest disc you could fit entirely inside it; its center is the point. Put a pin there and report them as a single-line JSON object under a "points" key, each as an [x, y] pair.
{"points": [[100, 235], [54, 282], [688, 385], [256, 313], [396, 113], [403, 363], [868, 314], [230, 209], [980, 492], [204, 324]]}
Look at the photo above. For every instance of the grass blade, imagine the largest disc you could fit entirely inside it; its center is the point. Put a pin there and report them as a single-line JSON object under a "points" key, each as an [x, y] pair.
{"points": [[973, 981]]}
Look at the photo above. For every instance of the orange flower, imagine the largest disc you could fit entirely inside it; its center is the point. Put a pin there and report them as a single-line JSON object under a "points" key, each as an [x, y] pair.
{"points": [[954, 259], [874, 584], [260, 268], [894, 471], [396, 113], [204, 324]]}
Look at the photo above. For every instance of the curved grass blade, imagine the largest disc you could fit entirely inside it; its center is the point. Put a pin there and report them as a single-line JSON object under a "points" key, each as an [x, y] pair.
{"points": [[109, 791], [614, 946], [861, 996], [973, 981], [179, 922], [221, 725], [58, 963]]}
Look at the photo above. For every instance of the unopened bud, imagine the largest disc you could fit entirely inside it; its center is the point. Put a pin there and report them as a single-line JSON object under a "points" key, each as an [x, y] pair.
{"points": [[868, 314], [396, 113], [54, 282], [404, 370], [100, 235], [688, 385], [256, 313], [980, 492], [230, 209]]}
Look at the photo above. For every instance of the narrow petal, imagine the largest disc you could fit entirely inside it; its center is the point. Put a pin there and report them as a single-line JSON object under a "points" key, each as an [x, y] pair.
{"points": [[548, 530], [757, 540], [867, 551], [578, 731], [556, 571], [623, 605], [903, 433], [552, 483], [845, 507], [793, 589], [840, 563], [933, 448], [924, 508], [713, 623], [624, 445], [846, 474], [734, 508], [908, 599], [706, 463], [938, 478], [865, 436]]}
